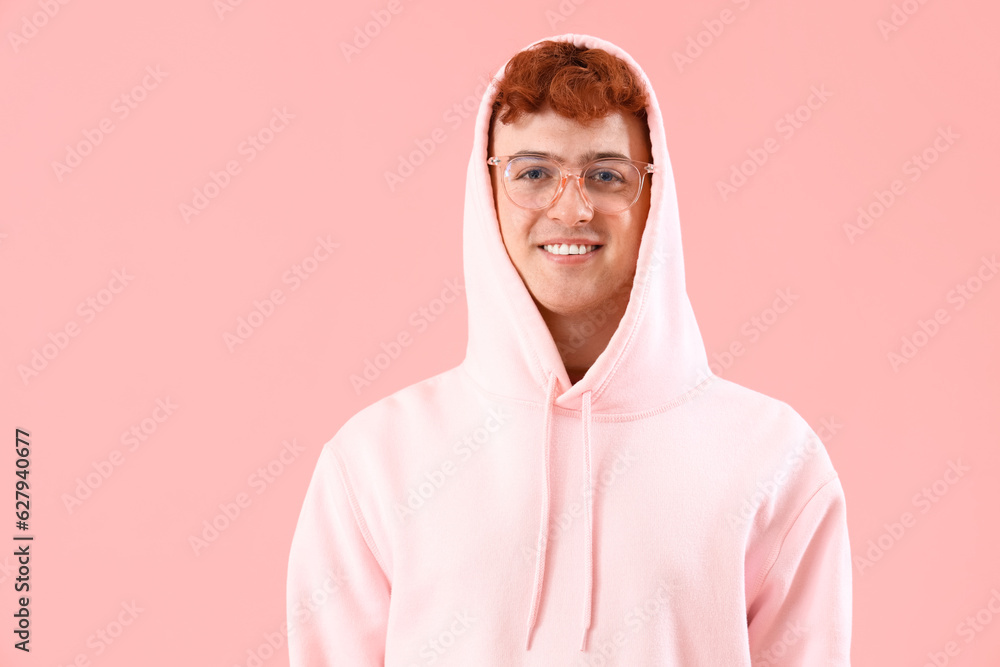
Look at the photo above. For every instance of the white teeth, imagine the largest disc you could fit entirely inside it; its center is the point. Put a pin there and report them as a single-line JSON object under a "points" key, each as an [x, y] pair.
{"points": [[573, 249]]}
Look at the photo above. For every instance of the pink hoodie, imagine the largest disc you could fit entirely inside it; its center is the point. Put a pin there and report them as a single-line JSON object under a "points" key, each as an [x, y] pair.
{"points": [[650, 514]]}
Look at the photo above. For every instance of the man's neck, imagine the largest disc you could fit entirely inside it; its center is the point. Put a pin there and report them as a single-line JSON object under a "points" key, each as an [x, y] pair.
{"points": [[581, 337]]}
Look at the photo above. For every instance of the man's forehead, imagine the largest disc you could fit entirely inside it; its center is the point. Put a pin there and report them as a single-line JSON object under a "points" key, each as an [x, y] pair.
{"points": [[567, 140]]}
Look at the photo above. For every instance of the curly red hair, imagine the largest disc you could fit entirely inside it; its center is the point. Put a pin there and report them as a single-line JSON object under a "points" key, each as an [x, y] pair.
{"points": [[578, 83]]}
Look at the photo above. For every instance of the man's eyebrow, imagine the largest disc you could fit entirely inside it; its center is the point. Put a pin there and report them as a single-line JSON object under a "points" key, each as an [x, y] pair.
{"points": [[586, 157]]}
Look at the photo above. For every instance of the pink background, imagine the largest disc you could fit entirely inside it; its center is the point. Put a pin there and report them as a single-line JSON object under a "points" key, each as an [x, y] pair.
{"points": [[162, 335]]}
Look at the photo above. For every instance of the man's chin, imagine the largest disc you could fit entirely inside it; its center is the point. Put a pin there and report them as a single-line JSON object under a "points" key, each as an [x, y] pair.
{"points": [[564, 302]]}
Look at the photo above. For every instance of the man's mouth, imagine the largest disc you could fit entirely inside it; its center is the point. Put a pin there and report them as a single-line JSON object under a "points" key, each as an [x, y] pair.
{"points": [[569, 249]]}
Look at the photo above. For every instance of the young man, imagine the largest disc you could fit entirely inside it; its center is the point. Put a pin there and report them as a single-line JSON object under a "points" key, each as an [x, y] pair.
{"points": [[581, 489]]}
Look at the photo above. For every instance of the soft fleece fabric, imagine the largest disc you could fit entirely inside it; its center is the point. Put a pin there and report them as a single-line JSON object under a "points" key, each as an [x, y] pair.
{"points": [[689, 520]]}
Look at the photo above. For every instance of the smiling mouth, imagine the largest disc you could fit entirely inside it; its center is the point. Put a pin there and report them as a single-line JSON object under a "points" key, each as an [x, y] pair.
{"points": [[569, 249]]}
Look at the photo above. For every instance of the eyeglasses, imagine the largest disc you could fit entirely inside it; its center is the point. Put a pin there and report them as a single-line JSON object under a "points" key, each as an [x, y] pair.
{"points": [[609, 185]]}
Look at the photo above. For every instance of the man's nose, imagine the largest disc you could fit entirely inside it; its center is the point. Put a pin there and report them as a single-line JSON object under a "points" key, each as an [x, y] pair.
{"points": [[570, 207]]}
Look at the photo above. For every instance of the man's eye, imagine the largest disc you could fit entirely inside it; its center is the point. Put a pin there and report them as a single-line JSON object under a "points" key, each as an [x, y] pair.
{"points": [[607, 176]]}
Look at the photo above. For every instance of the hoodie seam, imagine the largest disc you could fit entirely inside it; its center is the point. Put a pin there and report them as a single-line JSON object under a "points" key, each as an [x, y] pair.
{"points": [[776, 551], [607, 417], [359, 518]]}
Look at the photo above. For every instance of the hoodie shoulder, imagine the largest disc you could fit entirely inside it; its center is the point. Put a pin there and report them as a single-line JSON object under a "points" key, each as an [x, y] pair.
{"points": [[750, 404], [729, 390], [771, 433]]}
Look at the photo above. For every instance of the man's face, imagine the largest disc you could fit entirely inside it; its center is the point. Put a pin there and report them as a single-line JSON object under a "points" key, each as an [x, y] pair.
{"points": [[572, 284]]}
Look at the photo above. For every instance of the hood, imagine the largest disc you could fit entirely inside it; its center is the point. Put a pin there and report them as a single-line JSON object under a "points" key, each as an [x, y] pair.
{"points": [[654, 357]]}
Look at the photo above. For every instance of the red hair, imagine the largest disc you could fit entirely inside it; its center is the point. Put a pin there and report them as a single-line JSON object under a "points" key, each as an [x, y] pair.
{"points": [[578, 83]]}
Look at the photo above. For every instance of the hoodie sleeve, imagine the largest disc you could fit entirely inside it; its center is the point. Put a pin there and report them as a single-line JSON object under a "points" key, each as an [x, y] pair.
{"points": [[338, 591], [801, 614]]}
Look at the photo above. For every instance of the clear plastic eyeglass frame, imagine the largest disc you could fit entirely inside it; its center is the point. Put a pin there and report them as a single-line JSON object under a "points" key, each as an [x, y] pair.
{"points": [[641, 167]]}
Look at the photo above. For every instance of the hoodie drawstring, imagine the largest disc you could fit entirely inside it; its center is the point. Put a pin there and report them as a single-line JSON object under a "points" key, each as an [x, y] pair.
{"points": [[590, 522], [543, 528]]}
